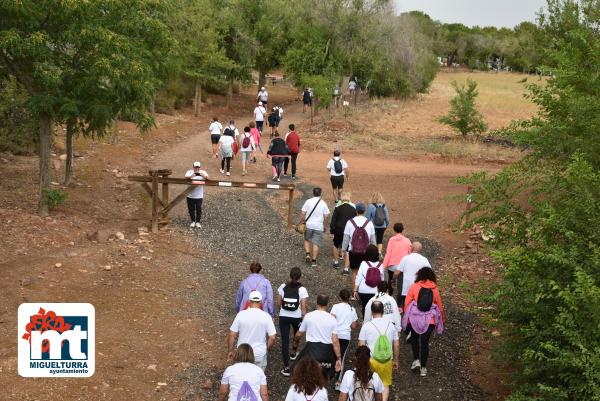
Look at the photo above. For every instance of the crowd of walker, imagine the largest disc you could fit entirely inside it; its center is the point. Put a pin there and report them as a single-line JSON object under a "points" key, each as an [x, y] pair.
{"points": [[357, 234]]}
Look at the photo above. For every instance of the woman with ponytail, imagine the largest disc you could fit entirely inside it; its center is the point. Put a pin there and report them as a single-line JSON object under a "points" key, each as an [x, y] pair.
{"points": [[361, 383]]}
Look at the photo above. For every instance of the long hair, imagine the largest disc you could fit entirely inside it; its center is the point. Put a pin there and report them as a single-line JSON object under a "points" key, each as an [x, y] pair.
{"points": [[377, 198], [295, 274], [308, 376], [362, 369], [244, 353]]}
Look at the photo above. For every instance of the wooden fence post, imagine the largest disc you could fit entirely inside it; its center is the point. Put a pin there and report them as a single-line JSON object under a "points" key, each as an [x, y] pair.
{"points": [[154, 203]]}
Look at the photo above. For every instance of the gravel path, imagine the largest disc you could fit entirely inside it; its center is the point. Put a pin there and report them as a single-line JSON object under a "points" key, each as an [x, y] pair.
{"points": [[241, 227]]}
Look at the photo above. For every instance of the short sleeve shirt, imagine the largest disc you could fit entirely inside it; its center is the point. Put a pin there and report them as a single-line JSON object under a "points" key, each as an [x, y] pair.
{"points": [[237, 374], [253, 327], [347, 386], [345, 315], [370, 331], [215, 128], [317, 218], [319, 326], [331, 168], [298, 312]]}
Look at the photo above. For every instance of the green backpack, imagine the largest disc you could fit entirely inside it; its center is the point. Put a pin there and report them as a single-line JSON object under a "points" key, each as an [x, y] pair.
{"points": [[382, 351]]}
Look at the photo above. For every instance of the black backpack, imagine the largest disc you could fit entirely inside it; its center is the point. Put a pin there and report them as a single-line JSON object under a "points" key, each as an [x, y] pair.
{"points": [[338, 167], [425, 299], [379, 218], [228, 131], [291, 298]]}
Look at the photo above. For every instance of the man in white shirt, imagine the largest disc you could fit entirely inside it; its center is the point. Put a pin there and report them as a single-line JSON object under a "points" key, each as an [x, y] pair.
{"points": [[322, 342], [195, 198], [259, 116], [263, 96], [231, 130], [369, 333], [314, 212], [255, 327], [338, 170], [354, 259], [409, 266], [390, 307]]}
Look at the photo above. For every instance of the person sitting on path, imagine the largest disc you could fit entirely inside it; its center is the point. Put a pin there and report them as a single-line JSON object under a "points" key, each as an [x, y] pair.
{"points": [[247, 148], [379, 215], [370, 274], [256, 135], [292, 139], [408, 267], [255, 282], [215, 129], [390, 307], [255, 327], [263, 96], [291, 302], [361, 383], [347, 320], [243, 380], [308, 382], [358, 234], [423, 313], [259, 116], [322, 343], [279, 152], [338, 171], [195, 198], [397, 248], [314, 212], [381, 336], [226, 153], [340, 216]]}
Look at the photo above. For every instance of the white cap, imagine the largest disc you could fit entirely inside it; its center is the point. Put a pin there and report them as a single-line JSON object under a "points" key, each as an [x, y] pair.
{"points": [[196, 164], [262, 89], [260, 103], [255, 296]]}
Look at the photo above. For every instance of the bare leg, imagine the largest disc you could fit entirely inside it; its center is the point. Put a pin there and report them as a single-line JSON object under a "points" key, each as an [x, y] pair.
{"points": [[315, 252], [386, 393]]}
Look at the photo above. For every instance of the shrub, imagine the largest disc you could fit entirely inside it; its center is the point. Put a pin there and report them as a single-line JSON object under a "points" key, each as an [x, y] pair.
{"points": [[464, 116], [55, 197]]}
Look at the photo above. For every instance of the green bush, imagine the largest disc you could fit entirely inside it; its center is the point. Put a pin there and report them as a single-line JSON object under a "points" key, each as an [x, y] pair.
{"points": [[55, 197], [464, 116]]}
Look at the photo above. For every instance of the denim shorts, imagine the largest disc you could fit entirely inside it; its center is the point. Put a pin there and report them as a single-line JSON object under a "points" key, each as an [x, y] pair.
{"points": [[313, 236]]}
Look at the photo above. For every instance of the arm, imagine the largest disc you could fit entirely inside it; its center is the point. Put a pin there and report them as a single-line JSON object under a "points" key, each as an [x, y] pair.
{"points": [[378, 397], [297, 339], [231, 344], [264, 392], [277, 301], [344, 397], [270, 307], [239, 296], [332, 221], [336, 350], [437, 299], [354, 325], [347, 172], [270, 341], [361, 343], [387, 216], [303, 307], [223, 392], [346, 242]]}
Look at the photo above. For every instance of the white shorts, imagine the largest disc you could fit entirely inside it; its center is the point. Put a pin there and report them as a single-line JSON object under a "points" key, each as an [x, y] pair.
{"points": [[261, 362]]}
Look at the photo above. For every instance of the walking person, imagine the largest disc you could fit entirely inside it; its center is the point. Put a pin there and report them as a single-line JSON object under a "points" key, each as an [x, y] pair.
{"points": [[408, 267], [255, 327], [361, 383], [347, 320], [215, 129], [338, 171], [292, 140], [340, 216], [195, 198], [308, 382], [263, 96], [314, 212], [379, 215], [231, 130], [256, 135], [291, 302], [397, 248], [358, 234], [255, 282], [259, 116], [322, 343], [370, 274], [336, 95], [247, 147], [381, 336], [390, 306], [278, 151], [423, 313], [306, 99], [272, 121], [226, 152], [243, 380]]}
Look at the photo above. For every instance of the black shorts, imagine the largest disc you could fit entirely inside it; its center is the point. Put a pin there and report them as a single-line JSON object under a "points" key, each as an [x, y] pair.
{"points": [[214, 138], [355, 260], [379, 234], [338, 238], [337, 181]]}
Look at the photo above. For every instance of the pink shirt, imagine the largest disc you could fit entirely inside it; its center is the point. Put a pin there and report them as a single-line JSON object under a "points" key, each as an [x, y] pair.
{"points": [[397, 247], [255, 135]]}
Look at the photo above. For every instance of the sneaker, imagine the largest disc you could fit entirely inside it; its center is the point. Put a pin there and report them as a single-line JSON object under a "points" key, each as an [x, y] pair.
{"points": [[307, 258], [314, 263], [278, 179], [274, 178], [192, 224], [222, 171], [336, 264], [244, 172], [346, 271], [286, 372], [198, 225], [423, 372], [228, 173], [293, 356], [294, 177], [415, 365], [285, 174]]}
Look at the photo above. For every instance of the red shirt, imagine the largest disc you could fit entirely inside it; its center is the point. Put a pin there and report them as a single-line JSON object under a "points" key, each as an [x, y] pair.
{"points": [[293, 142]]}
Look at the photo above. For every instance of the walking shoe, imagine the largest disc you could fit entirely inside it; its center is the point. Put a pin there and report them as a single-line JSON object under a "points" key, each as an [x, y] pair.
{"points": [[423, 372], [293, 355], [192, 225], [336, 264], [228, 173], [198, 225], [307, 258], [278, 179], [294, 177], [274, 178], [415, 365], [314, 263], [346, 271], [285, 174], [222, 171], [286, 372]]}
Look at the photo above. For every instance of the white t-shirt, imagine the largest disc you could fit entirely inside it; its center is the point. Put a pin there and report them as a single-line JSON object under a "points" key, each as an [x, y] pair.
{"points": [[331, 167], [263, 96], [370, 331], [345, 315], [249, 148], [347, 385], [319, 326], [390, 309], [198, 191], [320, 395], [215, 128], [237, 374], [317, 218], [410, 265], [236, 133], [226, 143], [253, 327], [351, 85], [298, 312], [359, 220], [259, 113], [361, 276]]}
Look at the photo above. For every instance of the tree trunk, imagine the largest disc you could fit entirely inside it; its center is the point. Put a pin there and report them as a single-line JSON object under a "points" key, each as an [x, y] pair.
{"points": [[262, 79], [44, 153], [69, 146], [198, 99], [115, 132], [151, 108], [229, 90]]}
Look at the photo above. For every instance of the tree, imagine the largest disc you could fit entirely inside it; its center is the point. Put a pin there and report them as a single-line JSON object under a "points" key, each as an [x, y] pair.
{"points": [[463, 115]]}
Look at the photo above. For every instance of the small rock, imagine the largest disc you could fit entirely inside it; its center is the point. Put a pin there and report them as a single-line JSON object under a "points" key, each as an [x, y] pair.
{"points": [[207, 385], [99, 236], [25, 282], [151, 367], [120, 235], [108, 267], [58, 265], [161, 384], [71, 254]]}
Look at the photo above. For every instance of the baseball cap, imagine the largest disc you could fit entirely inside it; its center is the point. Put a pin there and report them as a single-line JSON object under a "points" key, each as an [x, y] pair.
{"points": [[260, 103], [255, 296], [262, 89], [360, 207], [196, 164]]}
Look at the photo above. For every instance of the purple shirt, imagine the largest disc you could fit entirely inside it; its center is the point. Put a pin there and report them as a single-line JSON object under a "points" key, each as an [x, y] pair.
{"points": [[420, 320], [259, 283]]}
